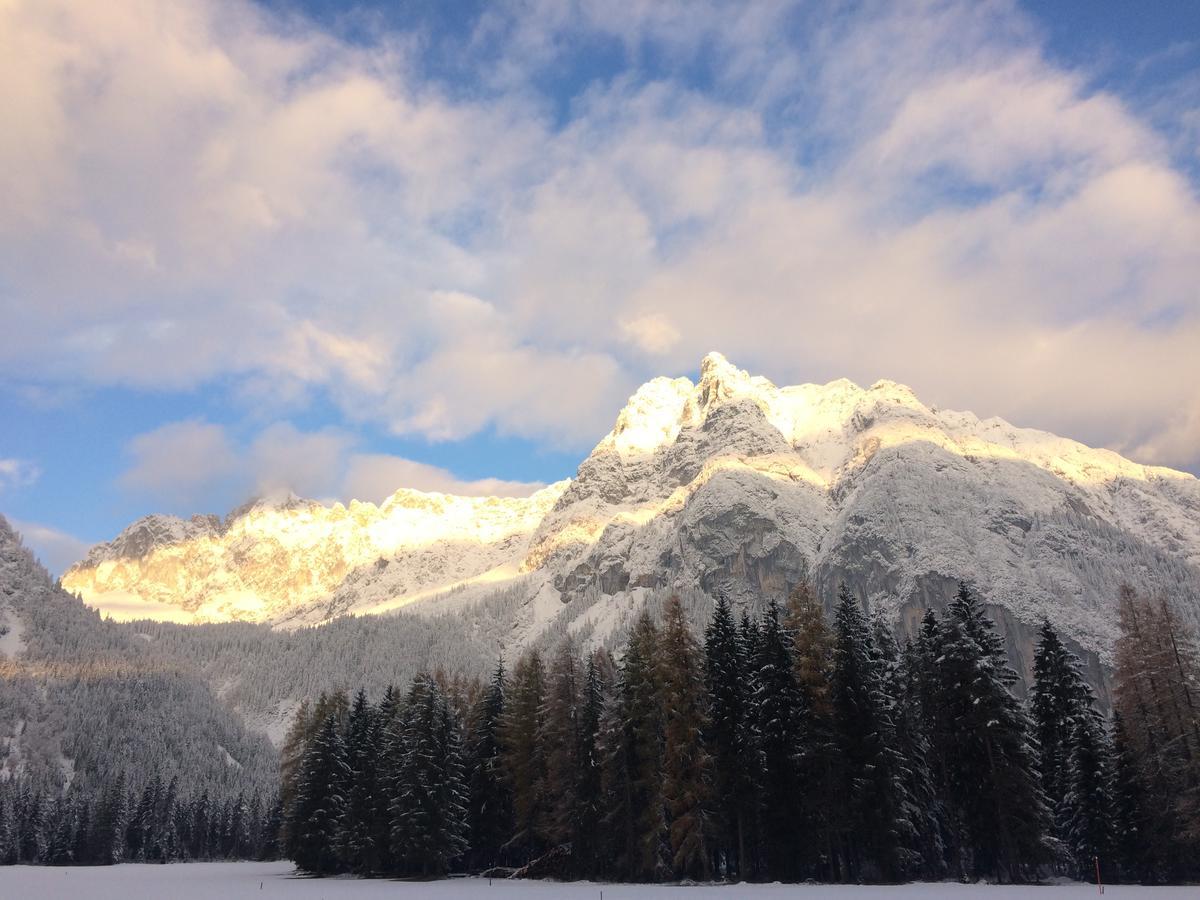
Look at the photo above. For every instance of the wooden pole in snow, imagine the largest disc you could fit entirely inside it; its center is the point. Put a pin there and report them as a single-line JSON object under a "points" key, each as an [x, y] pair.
{"points": [[1099, 883]]}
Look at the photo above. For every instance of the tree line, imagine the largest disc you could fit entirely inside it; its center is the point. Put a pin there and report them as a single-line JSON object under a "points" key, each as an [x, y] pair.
{"points": [[113, 824], [784, 747]]}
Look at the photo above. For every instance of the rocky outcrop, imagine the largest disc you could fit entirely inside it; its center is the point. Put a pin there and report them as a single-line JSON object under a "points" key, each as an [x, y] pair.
{"points": [[728, 485]]}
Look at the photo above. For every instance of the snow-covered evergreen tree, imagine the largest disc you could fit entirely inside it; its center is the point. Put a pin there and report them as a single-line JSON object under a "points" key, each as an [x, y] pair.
{"points": [[777, 721], [728, 738], [320, 801], [991, 756], [489, 810]]}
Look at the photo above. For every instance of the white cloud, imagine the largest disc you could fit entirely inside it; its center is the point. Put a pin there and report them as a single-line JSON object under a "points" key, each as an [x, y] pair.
{"points": [[15, 473], [198, 191], [282, 457], [652, 332], [56, 550], [189, 465], [375, 477], [182, 461]]}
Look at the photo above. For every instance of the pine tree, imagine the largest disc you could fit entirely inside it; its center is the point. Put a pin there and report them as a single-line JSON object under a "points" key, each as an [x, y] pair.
{"points": [[429, 797], [108, 830], [616, 845], [357, 830], [560, 742], [320, 802], [389, 754], [777, 719], [489, 812], [1075, 754], [1088, 809], [1134, 855], [631, 736], [641, 691], [687, 765], [291, 758], [819, 762], [729, 741], [1156, 689], [524, 756], [991, 757], [599, 677], [881, 833], [915, 745], [1056, 698]]}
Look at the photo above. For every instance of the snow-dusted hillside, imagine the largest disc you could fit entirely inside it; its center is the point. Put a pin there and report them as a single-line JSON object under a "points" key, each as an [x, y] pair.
{"points": [[731, 484], [81, 699]]}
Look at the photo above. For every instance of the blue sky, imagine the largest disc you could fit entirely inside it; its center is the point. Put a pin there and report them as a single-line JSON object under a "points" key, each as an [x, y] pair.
{"points": [[343, 249]]}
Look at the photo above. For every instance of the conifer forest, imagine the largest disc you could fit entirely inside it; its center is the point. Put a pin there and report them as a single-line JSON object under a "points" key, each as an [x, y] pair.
{"points": [[787, 747]]}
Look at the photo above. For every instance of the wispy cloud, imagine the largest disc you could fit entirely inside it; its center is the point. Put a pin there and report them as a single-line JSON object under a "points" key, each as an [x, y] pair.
{"points": [[199, 465], [201, 192], [16, 473], [55, 549]]}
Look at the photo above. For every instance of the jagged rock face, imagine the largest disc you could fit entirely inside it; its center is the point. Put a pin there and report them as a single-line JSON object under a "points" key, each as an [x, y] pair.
{"points": [[731, 484], [296, 561]]}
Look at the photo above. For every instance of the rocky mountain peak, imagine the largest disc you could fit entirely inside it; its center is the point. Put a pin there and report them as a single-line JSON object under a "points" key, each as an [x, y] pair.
{"points": [[722, 380]]}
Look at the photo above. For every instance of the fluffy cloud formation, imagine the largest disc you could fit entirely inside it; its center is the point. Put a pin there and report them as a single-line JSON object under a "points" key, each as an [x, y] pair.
{"points": [[376, 476], [17, 473], [200, 192], [199, 465], [181, 461], [56, 550]]}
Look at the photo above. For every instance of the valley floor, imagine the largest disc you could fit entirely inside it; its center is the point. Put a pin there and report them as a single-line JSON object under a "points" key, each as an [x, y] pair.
{"points": [[219, 881]]}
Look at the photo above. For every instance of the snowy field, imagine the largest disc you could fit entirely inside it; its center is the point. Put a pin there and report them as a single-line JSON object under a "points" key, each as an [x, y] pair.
{"points": [[202, 881]]}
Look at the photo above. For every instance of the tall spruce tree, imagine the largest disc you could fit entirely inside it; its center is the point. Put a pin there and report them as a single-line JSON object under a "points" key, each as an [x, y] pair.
{"points": [[489, 809], [1076, 760], [686, 762], [429, 813], [776, 706], [358, 833], [729, 741], [524, 756], [1087, 814], [318, 806], [631, 746], [599, 677], [991, 756], [881, 835], [560, 739], [929, 815], [1057, 697], [642, 714], [820, 763]]}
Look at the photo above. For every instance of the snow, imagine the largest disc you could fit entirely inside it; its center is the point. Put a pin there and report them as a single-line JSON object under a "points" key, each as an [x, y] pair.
{"points": [[300, 561], [261, 881], [12, 642], [228, 760], [866, 482]]}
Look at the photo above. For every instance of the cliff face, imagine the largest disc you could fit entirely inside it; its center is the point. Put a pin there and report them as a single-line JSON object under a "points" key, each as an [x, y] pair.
{"points": [[731, 484]]}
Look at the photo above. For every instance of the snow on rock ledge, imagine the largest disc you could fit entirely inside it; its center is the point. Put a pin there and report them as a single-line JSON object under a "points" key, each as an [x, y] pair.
{"points": [[730, 484]]}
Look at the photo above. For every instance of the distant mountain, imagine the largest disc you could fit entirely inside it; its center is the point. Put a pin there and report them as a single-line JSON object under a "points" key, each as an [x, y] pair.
{"points": [[731, 484], [84, 701]]}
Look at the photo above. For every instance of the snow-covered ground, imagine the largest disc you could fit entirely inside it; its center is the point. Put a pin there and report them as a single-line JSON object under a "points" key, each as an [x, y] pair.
{"points": [[201, 881]]}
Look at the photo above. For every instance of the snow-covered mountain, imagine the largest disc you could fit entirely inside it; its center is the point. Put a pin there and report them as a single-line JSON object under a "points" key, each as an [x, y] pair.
{"points": [[730, 484]]}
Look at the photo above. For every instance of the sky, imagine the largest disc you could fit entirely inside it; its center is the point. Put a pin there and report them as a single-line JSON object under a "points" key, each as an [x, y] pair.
{"points": [[343, 248]]}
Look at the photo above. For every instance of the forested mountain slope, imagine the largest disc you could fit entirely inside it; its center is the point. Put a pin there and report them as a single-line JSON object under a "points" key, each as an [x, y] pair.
{"points": [[85, 701]]}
